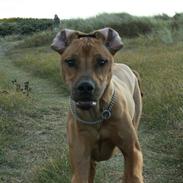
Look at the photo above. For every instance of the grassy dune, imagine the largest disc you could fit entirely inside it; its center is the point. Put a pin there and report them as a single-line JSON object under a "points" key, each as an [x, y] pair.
{"points": [[35, 150]]}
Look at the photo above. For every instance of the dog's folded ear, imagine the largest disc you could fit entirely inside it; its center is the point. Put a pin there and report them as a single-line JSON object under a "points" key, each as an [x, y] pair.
{"points": [[111, 39], [109, 36], [63, 39]]}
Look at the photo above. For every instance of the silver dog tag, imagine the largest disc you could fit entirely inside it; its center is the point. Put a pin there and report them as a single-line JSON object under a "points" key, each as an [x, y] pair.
{"points": [[106, 114]]}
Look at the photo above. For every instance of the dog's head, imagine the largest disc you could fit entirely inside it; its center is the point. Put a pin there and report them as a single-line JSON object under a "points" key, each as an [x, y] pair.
{"points": [[87, 62]]}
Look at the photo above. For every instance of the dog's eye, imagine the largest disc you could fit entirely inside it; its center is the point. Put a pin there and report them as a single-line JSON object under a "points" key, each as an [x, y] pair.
{"points": [[101, 62], [70, 62]]}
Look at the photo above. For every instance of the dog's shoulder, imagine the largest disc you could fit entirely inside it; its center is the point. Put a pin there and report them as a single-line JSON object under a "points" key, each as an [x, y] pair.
{"points": [[124, 73], [122, 68]]}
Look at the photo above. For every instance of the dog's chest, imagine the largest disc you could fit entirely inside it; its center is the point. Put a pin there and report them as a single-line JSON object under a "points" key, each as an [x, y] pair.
{"points": [[104, 146], [103, 132]]}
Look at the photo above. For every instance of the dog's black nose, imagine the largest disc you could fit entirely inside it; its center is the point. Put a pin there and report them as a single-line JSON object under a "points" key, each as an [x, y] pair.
{"points": [[86, 87]]}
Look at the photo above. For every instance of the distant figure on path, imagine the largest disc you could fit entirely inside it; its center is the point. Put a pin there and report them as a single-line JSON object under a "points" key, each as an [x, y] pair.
{"points": [[56, 22]]}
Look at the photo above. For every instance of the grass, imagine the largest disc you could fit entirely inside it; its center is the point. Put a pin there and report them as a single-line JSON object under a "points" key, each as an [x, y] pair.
{"points": [[38, 142], [13, 106], [37, 39], [55, 170], [161, 69], [27, 124], [39, 61]]}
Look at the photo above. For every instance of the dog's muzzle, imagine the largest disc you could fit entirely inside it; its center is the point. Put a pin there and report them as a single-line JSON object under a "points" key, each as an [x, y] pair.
{"points": [[84, 94]]}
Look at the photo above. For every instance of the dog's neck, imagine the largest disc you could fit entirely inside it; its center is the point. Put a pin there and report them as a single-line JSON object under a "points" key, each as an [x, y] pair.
{"points": [[95, 112]]}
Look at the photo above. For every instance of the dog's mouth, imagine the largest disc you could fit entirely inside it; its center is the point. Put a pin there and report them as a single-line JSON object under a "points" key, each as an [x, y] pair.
{"points": [[85, 105]]}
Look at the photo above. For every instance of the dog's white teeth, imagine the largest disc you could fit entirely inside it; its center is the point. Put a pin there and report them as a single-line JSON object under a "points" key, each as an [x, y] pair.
{"points": [[86, 103], [94, 103]]}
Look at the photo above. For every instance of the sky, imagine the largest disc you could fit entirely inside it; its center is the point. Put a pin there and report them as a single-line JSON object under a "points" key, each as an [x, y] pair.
{"points": [[66, 9]]}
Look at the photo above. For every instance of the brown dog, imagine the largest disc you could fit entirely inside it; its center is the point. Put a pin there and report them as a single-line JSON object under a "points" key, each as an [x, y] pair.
{"points": [[105, 105]]}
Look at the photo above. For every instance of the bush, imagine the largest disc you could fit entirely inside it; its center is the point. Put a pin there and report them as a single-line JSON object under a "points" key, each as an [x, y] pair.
{"points": [[165, 35], [133, 28], [7, 29], [177, 21], [24, 26]]}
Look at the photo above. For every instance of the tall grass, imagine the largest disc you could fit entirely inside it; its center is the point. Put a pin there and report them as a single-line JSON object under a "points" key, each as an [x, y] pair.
{"points": [[13, 105], [55, 170], [37, 39], [166, 29], [126, 24], [10, 99]]}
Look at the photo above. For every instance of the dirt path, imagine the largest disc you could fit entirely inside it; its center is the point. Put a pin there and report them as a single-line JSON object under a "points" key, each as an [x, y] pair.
{"points": [[40, 129]]}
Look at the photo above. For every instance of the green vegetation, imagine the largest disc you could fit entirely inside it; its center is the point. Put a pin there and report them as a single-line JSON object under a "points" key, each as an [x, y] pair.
{"points": [[161, 70], [23, 26], [127, 25], [28, 124], [32, 128]]}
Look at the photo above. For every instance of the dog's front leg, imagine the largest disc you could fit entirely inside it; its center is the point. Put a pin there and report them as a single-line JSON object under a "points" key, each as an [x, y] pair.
{"points": [[133, 165], [129, 145], [80, 144], [81, 167]]}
